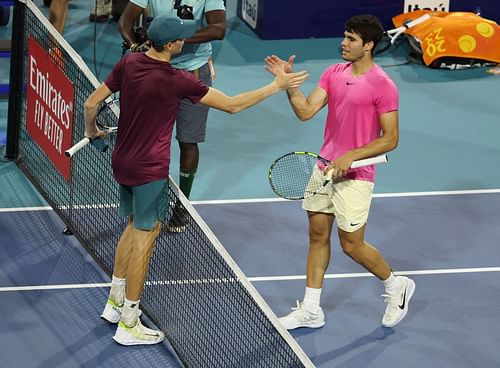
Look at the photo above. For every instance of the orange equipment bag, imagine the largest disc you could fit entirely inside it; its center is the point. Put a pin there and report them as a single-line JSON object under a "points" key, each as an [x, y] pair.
{"points": [[453, 39]]}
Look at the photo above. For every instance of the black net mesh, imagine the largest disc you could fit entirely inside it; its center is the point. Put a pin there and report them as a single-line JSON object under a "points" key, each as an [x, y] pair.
{"points": [[192, 293]]}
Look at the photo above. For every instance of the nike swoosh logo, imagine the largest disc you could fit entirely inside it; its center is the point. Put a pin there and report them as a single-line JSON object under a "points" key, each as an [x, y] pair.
{"points": [[402, 305], [349, 84], [354, 224]]}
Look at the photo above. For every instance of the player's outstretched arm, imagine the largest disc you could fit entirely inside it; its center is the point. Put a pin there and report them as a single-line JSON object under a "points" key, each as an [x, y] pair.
{"points": [[233, 104], [304, 107]]}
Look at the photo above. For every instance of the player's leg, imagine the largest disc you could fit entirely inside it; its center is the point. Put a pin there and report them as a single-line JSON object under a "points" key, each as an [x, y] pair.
{"points": [[145, 230], [113, 309], [353, 202], [130, 330], [318, 256], [308, 313], [138, 265], [354, 245], [58, 12]]}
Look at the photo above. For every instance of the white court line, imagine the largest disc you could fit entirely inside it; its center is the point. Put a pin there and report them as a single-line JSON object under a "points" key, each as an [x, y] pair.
{"points": [[367, 274], [257, 279], [261, 200], [53, 287], [48, 208], [25, 209], [379, 195]]}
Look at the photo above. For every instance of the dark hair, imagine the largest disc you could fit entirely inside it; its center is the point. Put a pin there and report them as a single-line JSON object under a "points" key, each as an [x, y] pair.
{"points": [[368, 27], [158, 48]]}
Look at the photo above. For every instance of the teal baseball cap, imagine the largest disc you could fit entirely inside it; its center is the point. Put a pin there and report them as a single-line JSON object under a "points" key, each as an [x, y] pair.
{"points": [[166, 28]]}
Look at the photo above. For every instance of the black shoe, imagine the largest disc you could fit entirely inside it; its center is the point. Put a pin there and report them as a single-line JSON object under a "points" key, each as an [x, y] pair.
{"points": [[179, 220]]}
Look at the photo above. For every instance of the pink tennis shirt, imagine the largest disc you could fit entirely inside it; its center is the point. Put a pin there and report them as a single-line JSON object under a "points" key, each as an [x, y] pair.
{"points": [[354, 108]]}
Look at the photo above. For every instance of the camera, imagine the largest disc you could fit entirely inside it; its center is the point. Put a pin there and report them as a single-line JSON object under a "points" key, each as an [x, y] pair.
{"points": [[183, 11]]}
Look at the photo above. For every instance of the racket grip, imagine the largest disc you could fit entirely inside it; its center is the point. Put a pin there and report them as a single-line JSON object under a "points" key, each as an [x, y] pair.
{"points": [[77, 147], [98, 143], [369, 161]]}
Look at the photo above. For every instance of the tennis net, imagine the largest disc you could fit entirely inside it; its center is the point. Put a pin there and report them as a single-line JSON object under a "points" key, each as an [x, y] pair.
{"points": [[209, 311]]}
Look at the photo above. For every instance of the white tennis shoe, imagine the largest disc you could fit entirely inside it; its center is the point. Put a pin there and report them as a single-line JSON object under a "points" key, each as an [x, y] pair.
{"points": [[397, 303], [137, 335], [113, 312], [300, 317]]}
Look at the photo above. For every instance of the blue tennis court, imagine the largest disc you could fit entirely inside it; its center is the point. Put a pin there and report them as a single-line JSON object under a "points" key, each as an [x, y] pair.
{"points": [[434, 217]]}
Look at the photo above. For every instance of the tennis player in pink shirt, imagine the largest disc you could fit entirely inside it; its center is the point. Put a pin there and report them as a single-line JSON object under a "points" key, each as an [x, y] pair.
{"points": [[362, 122]]}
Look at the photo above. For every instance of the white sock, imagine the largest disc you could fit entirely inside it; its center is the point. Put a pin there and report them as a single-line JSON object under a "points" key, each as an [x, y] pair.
{"points": [[130, 312], [311, 299], [392, 283], [117, 292]]}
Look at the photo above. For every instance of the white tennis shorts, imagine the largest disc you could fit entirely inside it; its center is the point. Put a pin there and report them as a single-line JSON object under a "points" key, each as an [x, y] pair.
{"points": [[348, 200]]}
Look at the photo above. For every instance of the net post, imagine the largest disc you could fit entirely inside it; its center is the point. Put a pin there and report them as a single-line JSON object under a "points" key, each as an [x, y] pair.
{"points": [[15, 80]]}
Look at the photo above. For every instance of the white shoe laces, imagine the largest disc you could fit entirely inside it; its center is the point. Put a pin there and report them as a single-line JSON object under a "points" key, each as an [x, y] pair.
{"points": [[301, 313], [391, 300], [298, 307]]}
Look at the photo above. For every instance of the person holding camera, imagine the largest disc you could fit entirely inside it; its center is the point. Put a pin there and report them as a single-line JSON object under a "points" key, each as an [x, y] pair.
{"points": [[210, 18]]}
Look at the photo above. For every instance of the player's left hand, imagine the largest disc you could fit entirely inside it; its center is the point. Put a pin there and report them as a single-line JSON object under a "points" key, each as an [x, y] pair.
{"points": [[339, 167], [97, 133]]}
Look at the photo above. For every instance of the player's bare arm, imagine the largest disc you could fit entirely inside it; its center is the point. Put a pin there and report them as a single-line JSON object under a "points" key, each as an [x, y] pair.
{"points": [[90, 109], [233, 104], [304, 108]]}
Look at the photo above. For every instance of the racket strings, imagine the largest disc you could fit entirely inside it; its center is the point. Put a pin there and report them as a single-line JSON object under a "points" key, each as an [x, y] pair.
{"points": [[107, 119], [292, 176]]}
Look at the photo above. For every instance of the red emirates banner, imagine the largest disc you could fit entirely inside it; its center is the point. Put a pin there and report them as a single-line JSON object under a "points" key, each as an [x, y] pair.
{"points": [[49, 116]]}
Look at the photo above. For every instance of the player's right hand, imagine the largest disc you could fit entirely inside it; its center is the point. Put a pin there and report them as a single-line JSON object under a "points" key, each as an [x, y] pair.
{"points": [[274, 62], [286, 80]]}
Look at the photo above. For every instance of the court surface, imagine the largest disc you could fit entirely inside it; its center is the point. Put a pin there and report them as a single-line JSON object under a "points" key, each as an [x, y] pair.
{"points": [[435, 218]]}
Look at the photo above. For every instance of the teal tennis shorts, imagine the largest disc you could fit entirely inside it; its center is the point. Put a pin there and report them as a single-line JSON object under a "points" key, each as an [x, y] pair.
{"points": [[142, 202]]}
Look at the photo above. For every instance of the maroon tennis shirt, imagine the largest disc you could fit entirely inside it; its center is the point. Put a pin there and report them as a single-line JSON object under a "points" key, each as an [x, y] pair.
{"points": [[150, 94]]}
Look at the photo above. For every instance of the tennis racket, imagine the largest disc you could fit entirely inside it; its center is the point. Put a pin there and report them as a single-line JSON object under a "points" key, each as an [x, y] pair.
{"points": [[299, 175], [109, 111], [392, 35]]}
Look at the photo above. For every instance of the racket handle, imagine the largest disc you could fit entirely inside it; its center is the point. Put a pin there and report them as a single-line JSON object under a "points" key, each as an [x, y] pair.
{"points": [[77, 147], [418, 20], [98, 143], [369, 161], [396, 32]]}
